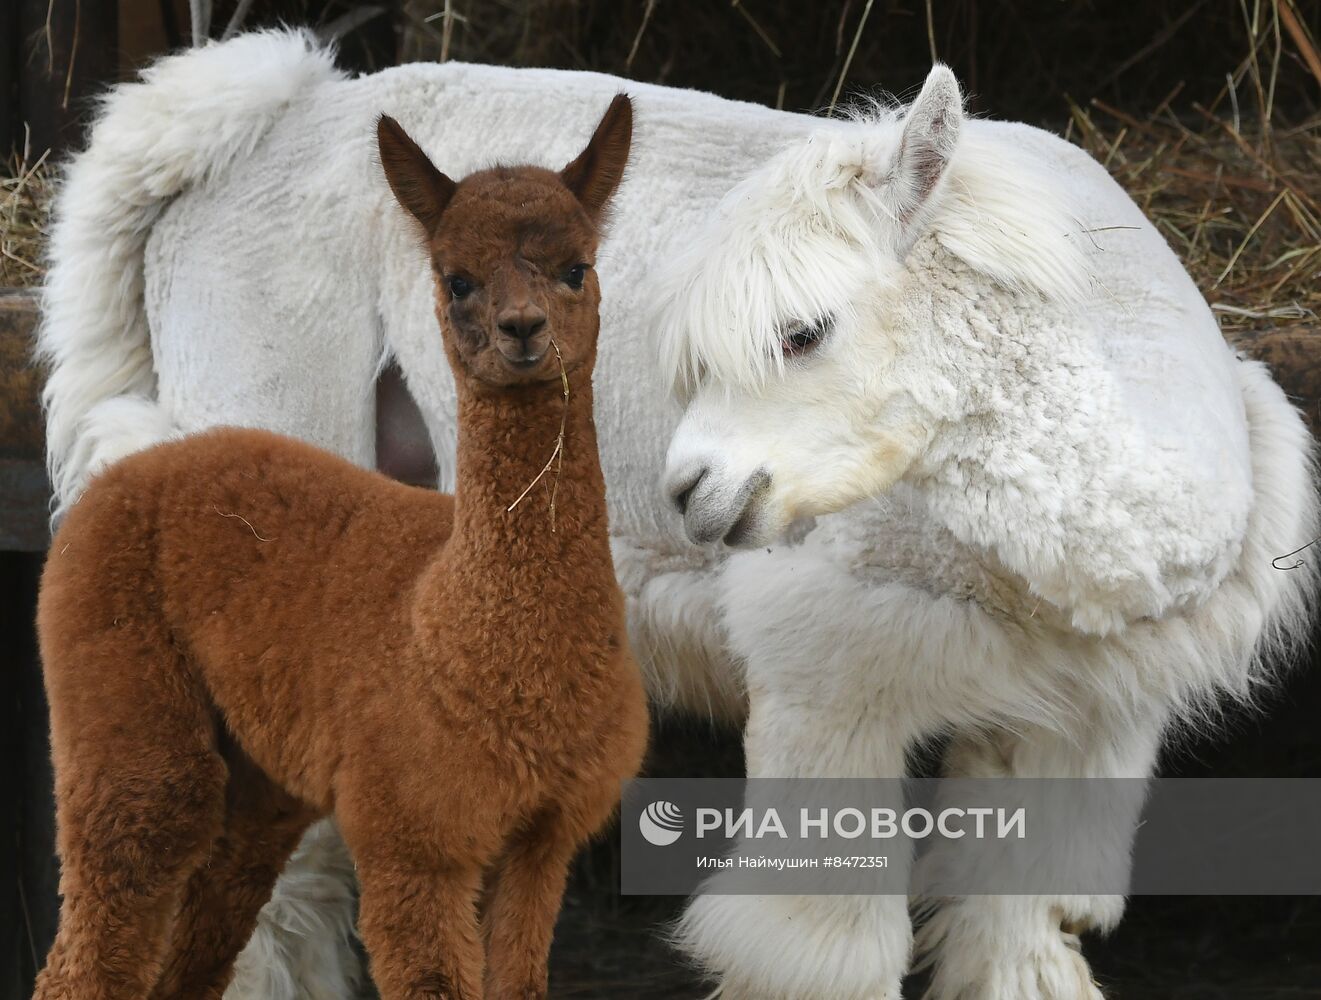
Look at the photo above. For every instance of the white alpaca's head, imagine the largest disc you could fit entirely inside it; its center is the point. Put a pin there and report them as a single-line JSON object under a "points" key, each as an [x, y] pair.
{"points": [[774, 327], [783, 326]]}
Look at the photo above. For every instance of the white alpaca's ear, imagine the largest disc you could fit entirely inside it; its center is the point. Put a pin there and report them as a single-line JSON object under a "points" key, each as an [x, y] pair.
{"points": [[930, 134]]}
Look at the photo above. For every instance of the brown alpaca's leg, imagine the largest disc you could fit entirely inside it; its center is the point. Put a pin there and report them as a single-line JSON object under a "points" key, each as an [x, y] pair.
{"points": [[220, 905], [131, 834], [522, 906], [419, 924]]}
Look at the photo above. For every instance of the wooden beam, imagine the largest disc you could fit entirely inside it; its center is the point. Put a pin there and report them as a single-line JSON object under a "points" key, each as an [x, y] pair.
{"points": [[24, 493], [21, 428]]}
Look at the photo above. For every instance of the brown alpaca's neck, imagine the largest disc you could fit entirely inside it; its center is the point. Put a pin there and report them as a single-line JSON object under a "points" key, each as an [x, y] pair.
{"points": [[505, 441]]}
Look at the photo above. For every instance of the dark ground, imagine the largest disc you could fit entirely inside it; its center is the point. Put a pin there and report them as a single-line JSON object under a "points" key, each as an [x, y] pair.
{"points": [[1176, 948]]}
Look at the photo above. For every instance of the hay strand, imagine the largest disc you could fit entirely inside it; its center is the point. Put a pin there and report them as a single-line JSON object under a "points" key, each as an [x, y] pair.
{"points": [[557, 455]]}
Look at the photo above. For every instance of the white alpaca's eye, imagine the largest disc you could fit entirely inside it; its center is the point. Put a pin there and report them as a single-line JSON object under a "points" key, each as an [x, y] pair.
{"points": [[799, 338]]}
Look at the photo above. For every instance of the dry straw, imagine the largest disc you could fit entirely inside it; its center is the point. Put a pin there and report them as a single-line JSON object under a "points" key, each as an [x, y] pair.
{"points": [[1236, 195], [25, 195]]}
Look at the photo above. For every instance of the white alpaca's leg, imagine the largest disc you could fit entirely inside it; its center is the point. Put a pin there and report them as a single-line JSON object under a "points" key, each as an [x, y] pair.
{"points": [[812, 713], [302, 946], [1026, 947]]}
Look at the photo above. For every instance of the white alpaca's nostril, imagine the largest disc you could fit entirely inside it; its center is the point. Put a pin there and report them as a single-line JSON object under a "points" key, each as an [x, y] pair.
{"points": [[681, 491]]}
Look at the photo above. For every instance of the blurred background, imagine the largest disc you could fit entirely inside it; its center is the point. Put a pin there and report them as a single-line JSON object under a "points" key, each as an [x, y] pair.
{"points": [[1207, 111]]}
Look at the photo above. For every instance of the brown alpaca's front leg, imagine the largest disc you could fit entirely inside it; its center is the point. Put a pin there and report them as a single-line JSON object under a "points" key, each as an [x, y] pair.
{"points": [[419, 924], [525, 896], [220, 905]]}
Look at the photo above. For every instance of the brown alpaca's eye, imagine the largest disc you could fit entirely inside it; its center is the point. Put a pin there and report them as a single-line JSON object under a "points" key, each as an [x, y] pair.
{"points": [[459, 287], [575, 276]]}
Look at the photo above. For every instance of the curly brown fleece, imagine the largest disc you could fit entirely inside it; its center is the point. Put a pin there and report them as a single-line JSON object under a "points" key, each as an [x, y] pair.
{"points": [[242, 633]]}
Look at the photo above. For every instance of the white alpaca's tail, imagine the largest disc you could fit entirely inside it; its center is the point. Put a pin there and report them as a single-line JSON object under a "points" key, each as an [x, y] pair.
{"points": [[189, 117]]}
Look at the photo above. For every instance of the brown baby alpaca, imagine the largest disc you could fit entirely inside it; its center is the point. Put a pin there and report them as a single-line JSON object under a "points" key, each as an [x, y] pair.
{"points": [[242, 633]]}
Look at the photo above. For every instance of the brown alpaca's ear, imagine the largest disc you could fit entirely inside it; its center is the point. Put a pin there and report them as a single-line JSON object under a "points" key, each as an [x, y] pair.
{"points": [[597, 171], [416, 183]]}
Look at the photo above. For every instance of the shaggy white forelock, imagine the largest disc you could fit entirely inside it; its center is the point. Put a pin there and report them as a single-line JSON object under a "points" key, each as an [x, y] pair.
{"points": [[797, 240]]}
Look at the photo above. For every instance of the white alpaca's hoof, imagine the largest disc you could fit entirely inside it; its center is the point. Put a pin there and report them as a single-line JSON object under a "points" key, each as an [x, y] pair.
{"points": [[800, 947], [1052, 969]]}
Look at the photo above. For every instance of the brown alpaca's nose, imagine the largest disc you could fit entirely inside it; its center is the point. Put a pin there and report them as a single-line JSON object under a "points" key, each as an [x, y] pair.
{"points": [[521, 322]]}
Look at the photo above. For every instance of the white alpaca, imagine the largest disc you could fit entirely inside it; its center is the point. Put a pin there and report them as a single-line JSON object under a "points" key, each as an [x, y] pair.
{"points": [[1080, 489], [1055, 493]]}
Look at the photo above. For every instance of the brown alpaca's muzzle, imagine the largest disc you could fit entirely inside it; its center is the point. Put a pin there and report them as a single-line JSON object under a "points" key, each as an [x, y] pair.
{"points": [[522, 336]]}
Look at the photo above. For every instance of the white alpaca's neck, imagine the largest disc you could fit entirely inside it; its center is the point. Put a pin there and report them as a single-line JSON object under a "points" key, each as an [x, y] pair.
{"points": [[1040, 457]]}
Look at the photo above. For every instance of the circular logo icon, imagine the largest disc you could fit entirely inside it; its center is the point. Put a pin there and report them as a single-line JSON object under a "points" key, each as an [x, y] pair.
{"points": [[661, 823]]}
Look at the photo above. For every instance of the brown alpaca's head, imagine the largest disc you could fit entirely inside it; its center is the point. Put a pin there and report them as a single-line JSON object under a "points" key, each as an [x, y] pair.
{"points": [[513, 250]]}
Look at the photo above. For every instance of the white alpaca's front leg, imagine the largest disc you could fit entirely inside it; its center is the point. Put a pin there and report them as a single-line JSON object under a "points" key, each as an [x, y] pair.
{"points": [[812, 714], [1027, 947]]}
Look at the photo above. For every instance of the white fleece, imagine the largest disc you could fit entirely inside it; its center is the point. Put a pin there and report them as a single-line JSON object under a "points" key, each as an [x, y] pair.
{"points": [[183, 124]]}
